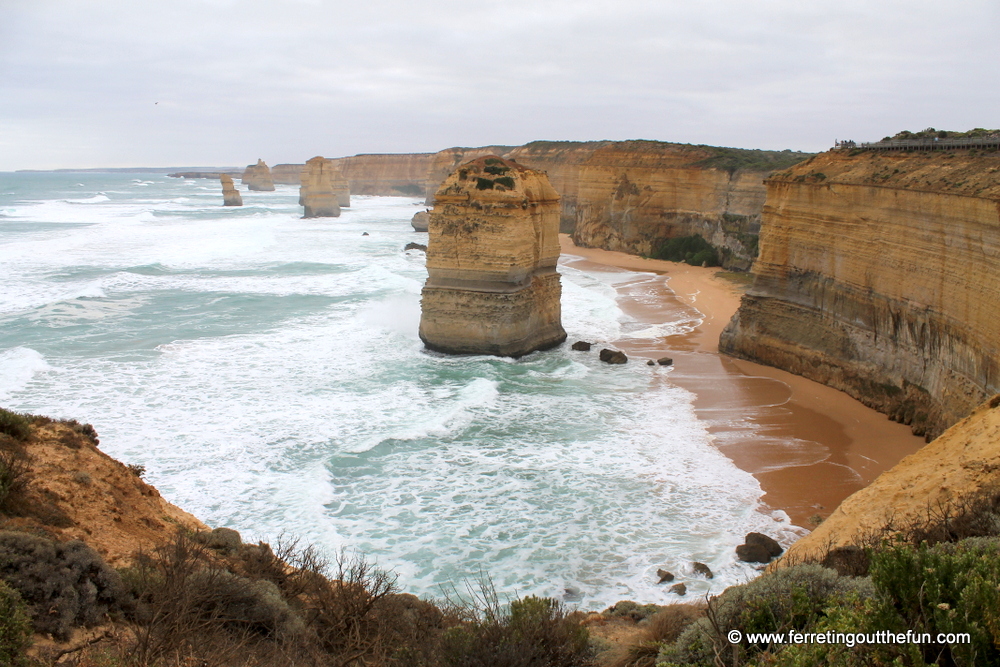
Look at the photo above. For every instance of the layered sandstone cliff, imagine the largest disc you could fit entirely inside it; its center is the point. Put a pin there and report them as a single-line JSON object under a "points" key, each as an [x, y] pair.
{"points": [[943, 475], [633, 196], [492, 285], [287, 174], [230, 195], [877, 275], [258, 177], [317, 193], [388, 174]]}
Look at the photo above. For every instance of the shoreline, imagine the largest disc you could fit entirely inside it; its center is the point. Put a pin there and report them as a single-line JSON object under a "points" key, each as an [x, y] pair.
{"points": [[808, 445]]}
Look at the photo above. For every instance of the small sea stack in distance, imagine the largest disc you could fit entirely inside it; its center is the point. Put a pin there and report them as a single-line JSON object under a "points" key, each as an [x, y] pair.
{"points": [[492, 285], [258, 177], [317, 193], [230, 195]]}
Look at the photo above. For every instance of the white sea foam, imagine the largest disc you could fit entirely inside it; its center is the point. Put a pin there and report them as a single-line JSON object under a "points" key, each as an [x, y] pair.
{"points": [[18, 367], [266, 370]]}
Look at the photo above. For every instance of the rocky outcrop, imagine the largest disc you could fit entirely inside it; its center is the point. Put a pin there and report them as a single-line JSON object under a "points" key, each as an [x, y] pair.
{"points": [[230, 195], [492, 285], [317, 194], [258, 177], [420, 221], [878, 276], [957, 467], [287, 174], [403, 174]]}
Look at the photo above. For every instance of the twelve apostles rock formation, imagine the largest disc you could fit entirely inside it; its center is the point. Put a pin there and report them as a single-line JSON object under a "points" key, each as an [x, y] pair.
{"points": [[258, 177], [877, 275], [629, 195], [230, 195], [492, 285], [317, 193]]}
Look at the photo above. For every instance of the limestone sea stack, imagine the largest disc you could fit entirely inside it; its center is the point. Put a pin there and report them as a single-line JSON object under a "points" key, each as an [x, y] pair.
{"points": [[317, 193], [230, 195], [492, 285], [258, 177]]}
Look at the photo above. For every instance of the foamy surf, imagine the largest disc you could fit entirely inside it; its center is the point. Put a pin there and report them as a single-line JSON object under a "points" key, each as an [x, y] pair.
{"points": [[266, 371]]}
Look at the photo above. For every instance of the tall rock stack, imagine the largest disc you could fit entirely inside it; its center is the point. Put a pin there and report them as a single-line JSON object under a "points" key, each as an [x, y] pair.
{"points": [[258, 177], [317, 193], [492, 285], [230, 195]]}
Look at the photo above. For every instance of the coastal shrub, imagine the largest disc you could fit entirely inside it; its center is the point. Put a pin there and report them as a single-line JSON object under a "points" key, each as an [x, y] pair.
{"points": [[187, 600], [13, 476], [530, 631], [946, 588], [483, 183], [15, 628], [65, 584], [693, 249], [14, 424], [789, 598], [505, 181], [496, 169]]}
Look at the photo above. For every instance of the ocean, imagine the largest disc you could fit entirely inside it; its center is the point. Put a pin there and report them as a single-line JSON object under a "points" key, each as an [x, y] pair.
{"points": [[266, 371]]}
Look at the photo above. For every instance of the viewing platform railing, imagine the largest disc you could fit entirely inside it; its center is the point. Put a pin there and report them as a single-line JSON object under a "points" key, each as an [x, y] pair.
{"points": [[922, 144]]}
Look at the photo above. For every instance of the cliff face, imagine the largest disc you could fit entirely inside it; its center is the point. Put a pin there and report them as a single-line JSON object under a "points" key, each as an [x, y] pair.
{"points": [[399, 174], [877, 275], [562, 162], [955, 467], [317, 193], [258, 177], [287, 174], [632, 196], [76, 491], [492, 285], [230, 195]]}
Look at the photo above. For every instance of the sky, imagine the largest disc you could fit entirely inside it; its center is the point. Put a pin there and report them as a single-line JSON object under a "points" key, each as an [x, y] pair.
{"points": [[108, 83]]}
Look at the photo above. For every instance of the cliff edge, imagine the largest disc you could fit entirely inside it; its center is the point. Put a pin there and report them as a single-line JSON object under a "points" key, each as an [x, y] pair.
{"points": [[877, 275], [68, 489], [960, 464]]}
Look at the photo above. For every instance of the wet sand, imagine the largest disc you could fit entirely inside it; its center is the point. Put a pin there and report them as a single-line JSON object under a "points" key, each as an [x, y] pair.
{"points": [[808, 445]]}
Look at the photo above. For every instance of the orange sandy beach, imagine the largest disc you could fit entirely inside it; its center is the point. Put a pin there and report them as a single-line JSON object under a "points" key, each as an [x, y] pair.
{"points": [[808, 445]]}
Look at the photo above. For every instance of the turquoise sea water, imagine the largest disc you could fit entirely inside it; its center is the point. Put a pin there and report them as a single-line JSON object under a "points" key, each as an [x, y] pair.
{"points": [[267, 372]]}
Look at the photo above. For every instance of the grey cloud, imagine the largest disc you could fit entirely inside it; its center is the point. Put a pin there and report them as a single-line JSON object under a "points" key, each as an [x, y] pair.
{"points": [[292, 79]]}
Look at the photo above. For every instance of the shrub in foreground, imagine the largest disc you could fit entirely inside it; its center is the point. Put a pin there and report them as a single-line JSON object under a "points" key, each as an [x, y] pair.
{"points": [[946, 588], [790, 598], [65, 584], [15, 627], [14, 424], [531, 632]]}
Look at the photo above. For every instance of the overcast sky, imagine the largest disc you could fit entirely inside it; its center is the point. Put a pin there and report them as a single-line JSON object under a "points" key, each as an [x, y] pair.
{"points": [[219, 82]]}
